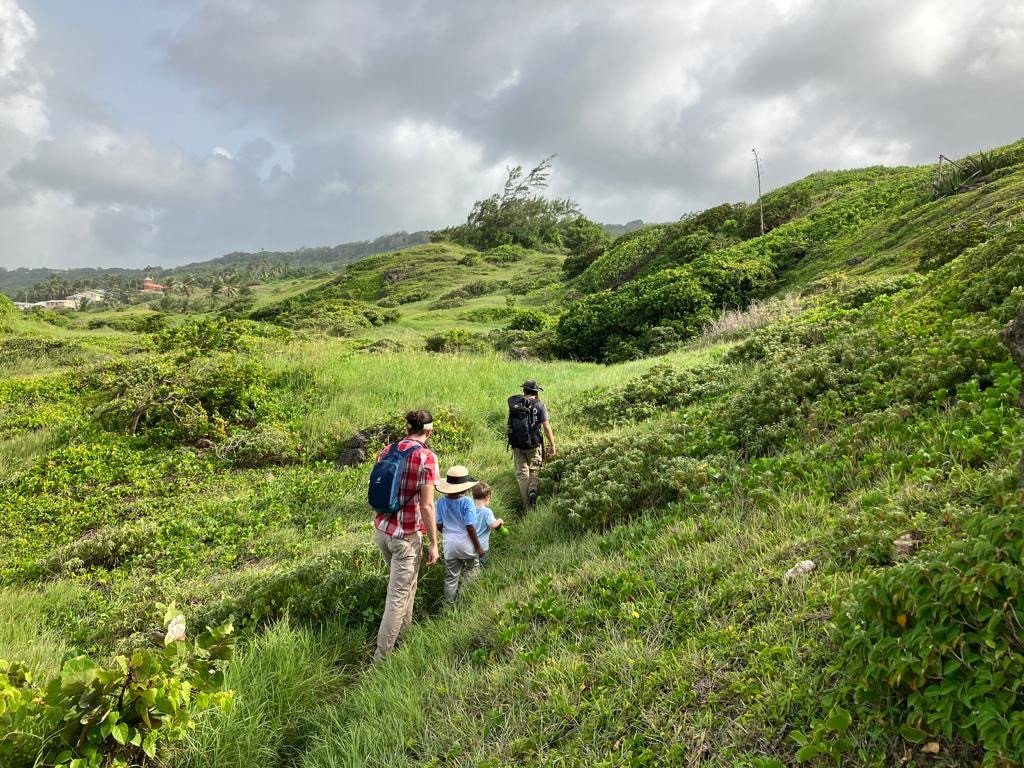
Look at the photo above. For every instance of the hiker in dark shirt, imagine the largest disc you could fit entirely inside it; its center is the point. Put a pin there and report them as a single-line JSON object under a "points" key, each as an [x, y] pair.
{"points": [[528, 426]]}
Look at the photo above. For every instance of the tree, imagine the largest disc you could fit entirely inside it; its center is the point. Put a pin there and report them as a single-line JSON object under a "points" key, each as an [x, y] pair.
{"points": [[516, 216]]}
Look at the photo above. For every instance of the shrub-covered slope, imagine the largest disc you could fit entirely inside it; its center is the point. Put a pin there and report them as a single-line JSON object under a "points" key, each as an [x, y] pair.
{"points": [[861, 413]]}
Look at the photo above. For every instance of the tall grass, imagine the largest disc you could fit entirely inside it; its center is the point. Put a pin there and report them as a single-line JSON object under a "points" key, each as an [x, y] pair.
{"points": [[24, 631], [733, 323], [283, 680]]}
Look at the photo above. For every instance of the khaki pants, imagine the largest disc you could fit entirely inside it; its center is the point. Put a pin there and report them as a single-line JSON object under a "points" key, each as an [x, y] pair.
{"points": [[403, 558], [528, 462]]}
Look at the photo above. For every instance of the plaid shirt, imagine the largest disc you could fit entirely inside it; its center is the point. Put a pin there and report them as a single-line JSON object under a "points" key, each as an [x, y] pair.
{"points": [[420, 470]]}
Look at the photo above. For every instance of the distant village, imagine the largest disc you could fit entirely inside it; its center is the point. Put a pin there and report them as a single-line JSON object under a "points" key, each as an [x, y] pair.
{"points": [[76, 301]]}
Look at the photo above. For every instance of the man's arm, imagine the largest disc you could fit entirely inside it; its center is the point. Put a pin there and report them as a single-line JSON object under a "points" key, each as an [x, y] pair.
{"points": [[430, 518], [551, 438]]}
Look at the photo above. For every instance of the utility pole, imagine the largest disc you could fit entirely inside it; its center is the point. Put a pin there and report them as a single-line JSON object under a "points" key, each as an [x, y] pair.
{"points": [[760, 204]]}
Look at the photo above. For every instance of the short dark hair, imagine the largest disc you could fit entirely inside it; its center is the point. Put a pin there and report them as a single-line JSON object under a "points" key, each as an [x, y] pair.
{"points": [[481, 490], [414, 421]]}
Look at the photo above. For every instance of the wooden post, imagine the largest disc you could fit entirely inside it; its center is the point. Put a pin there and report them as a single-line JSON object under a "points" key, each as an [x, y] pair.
{"points": [[760, 204]]}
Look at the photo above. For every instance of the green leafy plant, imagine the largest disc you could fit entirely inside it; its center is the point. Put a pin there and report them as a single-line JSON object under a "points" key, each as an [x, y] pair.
{"points": [[106, 716]]}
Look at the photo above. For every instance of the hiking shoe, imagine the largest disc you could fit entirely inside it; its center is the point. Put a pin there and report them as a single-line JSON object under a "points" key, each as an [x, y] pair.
{"points": [[532, 496]]}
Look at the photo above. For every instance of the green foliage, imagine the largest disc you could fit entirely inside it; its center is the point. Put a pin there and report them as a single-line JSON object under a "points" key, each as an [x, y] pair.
{"points": [[199, 337], [144, 322], [613, 325], [955, 176], [7, 306], [940, 247], [935, 643], [516, 216], [456, 340], [117, 715], [32, 403], [182, 401], [528, 320], [660, 389]]}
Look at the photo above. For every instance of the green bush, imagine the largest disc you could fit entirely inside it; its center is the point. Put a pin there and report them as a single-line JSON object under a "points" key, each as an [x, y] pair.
{"points": [[941, 246], [934, 645], [504, 254], [610, 325], [94, 716], [528, 320], [198, 337], [7, 306], [661, 389], [456, 340], [147, 322], [175, 401]]}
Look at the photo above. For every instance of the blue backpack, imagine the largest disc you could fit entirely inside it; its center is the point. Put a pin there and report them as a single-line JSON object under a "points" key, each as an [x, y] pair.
{"points": [[385, 494]]}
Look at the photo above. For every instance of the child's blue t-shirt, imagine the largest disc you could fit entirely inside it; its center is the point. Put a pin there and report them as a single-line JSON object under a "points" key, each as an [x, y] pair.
{"points": [[484, 518], [455, 515]]}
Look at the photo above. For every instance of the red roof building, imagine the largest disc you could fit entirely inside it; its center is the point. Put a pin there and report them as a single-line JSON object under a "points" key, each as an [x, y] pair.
{"points": [[148, 286]]}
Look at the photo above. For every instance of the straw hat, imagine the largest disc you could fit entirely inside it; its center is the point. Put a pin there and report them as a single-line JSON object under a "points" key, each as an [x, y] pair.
{"points": [[457, 480]]}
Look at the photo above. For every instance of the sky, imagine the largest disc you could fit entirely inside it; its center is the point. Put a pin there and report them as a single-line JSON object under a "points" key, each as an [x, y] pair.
{"points": [[167, 131]]}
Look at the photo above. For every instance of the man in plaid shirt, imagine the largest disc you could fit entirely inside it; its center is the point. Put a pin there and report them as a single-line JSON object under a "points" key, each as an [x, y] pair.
{"points": [[400, 536]]}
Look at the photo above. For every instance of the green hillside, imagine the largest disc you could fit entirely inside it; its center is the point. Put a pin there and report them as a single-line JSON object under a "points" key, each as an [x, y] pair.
{"points": [[727, 405]]}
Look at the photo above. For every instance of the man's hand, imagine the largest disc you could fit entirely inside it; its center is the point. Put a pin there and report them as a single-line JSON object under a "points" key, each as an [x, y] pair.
{"points": [[552, 451], [432, 555]]}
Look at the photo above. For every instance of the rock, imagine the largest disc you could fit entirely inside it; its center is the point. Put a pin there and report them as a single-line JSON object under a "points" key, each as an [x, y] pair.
{"points": [[1013, 338], [356, 449], [800, 569], [931, 748], [906, 545]]}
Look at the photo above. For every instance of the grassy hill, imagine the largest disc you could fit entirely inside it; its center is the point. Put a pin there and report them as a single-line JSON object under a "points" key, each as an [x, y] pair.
{"points": [[727, 406]]}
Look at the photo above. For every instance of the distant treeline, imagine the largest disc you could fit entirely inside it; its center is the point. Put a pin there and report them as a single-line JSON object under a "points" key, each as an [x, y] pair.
{"points": [[26, 281]]}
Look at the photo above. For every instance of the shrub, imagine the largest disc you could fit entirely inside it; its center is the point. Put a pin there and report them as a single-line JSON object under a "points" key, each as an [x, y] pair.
{"points": [[29, 350], [659, 390], [609, 324], [60, 319], [504, 254], [528, 320], [617, 480], [118, 715], [524, 284], [198, 337], [259, 447], [183, 402], [7, 306], [935, 644], [456, 340], [487, 314], [147, 322], [941, 246]]}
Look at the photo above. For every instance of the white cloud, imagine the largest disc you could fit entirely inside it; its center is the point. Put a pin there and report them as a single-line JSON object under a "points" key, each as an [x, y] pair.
{"points": [[390, 115]]}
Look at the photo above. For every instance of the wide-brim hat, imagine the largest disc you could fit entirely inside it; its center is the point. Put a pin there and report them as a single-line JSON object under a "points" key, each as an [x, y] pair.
{"points": [[532, 386], [457, 480]]}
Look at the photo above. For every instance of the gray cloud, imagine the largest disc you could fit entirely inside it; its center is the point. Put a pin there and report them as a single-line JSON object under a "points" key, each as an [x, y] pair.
{"points": [[398, 115]]}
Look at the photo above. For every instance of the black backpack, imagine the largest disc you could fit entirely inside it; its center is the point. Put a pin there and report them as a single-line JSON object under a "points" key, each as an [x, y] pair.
{"points": [[523, 423]]}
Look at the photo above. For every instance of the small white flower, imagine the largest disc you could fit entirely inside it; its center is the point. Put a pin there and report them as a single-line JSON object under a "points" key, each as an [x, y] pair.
{"points": [[175, 630]]}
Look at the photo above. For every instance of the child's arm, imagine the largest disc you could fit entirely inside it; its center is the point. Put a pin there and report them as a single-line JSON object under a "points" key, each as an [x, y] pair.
{"points": [[471, 530], [497, 523]]}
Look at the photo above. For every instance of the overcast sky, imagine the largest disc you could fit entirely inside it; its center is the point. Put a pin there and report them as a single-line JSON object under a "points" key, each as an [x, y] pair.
{"points": [[165, 131]]}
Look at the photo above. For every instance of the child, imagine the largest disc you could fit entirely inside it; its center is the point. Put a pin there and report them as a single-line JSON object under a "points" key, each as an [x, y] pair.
{"points": [[462, 550], [485, 520]]}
